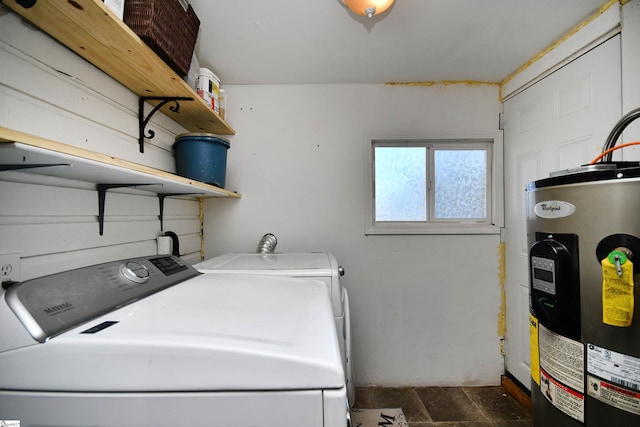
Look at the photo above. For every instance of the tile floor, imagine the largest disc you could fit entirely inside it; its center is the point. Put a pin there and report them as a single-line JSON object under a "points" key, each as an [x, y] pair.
{"points": [[449, 406]]}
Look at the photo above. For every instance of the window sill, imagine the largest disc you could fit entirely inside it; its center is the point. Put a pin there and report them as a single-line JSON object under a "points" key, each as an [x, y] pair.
{"points": [[405, 229]]}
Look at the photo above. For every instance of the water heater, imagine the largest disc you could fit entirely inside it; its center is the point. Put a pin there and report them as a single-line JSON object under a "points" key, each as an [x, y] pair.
{"points": [[583, 230]]}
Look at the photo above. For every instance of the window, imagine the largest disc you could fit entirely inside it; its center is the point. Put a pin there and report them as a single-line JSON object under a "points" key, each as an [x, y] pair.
{"points": [[430, 186]]}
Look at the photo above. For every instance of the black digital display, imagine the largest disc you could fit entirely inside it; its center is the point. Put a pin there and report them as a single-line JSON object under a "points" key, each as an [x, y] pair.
{"points": [[545, 275], [168, 265]]}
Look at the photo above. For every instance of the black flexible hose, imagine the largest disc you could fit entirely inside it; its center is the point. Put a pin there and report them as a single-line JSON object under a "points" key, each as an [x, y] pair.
{"points": [[175, 242], [617, 131]]}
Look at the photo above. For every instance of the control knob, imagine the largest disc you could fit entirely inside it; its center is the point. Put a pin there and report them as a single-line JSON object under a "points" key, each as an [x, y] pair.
{"points": [[134, 271]]}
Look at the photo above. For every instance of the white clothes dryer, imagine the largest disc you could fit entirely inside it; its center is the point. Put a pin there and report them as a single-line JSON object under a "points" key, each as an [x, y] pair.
{"points": [[153, 342], [321, 266]]}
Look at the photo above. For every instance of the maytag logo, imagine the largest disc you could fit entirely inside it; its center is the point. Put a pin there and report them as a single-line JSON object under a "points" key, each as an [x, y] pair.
{"points": [[58, 308], [554, 209]]}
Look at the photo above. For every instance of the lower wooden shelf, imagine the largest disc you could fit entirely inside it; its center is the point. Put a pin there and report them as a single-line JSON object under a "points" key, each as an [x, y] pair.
{"points": [[24, 153]]}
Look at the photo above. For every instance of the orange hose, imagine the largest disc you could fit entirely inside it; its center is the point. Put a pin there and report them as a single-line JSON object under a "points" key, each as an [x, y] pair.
{"points": [[593, 162]]}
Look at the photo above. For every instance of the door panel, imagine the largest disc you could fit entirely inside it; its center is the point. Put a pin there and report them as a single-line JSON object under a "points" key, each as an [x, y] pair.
{"points": [[560, 122]]}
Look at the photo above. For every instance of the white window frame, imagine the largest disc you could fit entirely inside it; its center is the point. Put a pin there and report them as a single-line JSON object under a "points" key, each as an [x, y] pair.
{"points": [[495, 211]]}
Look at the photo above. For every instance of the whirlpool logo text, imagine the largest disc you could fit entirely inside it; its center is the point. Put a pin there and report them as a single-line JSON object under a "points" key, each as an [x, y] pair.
{"points": [[554, 209]]}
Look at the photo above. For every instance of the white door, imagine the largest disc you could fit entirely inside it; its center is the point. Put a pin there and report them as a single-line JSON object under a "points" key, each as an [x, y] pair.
{"points": [[559, 122]]}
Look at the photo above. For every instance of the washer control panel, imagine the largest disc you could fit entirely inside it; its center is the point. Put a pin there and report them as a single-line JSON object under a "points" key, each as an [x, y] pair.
{"points": [[50, 305]]}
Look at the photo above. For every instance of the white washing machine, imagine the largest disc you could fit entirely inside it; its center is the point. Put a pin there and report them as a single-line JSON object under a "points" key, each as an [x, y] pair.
{"points": [[321, 266], [153, 342]]}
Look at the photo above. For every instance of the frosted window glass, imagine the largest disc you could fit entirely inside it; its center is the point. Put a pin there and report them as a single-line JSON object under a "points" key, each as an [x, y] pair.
{"points": [[460, 184], [400, 184]]}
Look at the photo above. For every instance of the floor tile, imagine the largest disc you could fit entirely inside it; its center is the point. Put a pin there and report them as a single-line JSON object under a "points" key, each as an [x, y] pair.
{"points": [[454, 424], [363, 398], [515, 423], [405, 398], [449, 404], [496, 404]]}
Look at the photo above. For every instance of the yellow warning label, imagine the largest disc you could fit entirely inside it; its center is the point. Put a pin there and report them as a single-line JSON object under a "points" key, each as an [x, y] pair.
{"points": [[617, 293], [534, 350]]}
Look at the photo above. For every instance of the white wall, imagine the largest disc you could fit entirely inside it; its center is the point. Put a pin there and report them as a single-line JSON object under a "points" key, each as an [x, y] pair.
{"points": [[425, 308], [48, 91]]}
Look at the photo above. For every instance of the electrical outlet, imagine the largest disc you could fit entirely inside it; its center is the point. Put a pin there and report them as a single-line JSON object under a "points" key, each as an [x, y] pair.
{"points": [[9, 267]]}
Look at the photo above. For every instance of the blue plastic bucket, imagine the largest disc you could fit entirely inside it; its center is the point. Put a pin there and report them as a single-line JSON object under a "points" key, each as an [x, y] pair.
{"points": [[202, 157]]}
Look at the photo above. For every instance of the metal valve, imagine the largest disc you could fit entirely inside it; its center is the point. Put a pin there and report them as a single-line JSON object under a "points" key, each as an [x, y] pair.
{"points": [[619, 256]]}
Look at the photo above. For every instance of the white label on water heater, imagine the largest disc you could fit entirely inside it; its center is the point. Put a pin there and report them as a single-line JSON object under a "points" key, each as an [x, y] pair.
{"points": [[615, 367], [554, 209], [562, 372], [613, 395], [562, 358], [562, 397]]}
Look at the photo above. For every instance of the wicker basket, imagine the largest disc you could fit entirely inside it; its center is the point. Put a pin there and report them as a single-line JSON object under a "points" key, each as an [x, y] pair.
{"points": [[166, 28]]}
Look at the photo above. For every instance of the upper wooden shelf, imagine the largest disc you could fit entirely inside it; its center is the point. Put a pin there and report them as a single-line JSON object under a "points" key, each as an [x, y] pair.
{"points": [[93, 31]]}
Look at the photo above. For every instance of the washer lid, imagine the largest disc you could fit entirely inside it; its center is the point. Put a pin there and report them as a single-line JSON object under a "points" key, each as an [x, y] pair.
{"points": [[321, 265], [212, 332]]}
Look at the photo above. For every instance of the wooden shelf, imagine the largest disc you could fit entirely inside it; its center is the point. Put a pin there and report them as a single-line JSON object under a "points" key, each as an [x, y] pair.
{"points": [[17, 148], [93, 31], [23, 153]]}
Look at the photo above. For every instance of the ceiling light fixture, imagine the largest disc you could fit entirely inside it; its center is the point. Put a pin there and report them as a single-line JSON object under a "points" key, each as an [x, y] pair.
{"points": [[368, 8]]}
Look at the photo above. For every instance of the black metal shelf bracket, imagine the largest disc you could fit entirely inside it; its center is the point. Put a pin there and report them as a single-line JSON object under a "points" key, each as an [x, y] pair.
{"points": [[27, 4], [4, 168], [143, 120], [102, 195], [161, 197]]}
